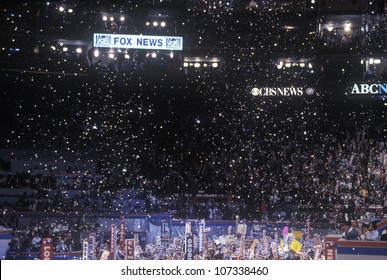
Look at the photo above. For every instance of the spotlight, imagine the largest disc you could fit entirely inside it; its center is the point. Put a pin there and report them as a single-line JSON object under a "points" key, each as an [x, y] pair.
{"points": [[377, 61], [197, 65], [330, 28], [78, 50], [111, 55], [111, 18], [70, 11], [122, 18], [127, 56], [104, 18], [185, 64], [154, 55], [215, 64], [147, 23], [65, 49], [96, 53], [163, 24], [155, 23], [61, 9]]}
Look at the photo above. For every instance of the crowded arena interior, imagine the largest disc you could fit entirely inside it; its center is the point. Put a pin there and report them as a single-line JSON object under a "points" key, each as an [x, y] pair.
{"points": [[192, 129]]}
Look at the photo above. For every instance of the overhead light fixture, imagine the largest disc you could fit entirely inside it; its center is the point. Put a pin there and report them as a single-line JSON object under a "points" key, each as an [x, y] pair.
{"points": [[122, 18], [78, 50], [70, 11], [163, 24], [61, 9], [155, 23], [96, 53], [377, 61], [347, 27], [330, 28], [104, 18]]}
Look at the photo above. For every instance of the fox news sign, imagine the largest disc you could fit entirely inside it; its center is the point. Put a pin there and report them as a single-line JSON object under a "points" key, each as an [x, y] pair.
{"points": [[137, 42]]}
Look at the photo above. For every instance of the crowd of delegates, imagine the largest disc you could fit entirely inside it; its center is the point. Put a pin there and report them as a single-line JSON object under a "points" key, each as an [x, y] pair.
{"points": [[196, 142], [328, 180]]}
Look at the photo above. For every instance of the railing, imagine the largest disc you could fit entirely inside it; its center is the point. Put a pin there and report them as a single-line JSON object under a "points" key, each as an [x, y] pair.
{"points": [[5, 222]]}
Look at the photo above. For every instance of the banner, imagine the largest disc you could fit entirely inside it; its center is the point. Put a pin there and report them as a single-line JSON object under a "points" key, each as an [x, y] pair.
{"points": [[129, 249], [202, 225], [85, 249], [189, 247], [241, 228], [47, 249], [295, 246], [113, 241], [122, 233], [91, 247], [188, 231], [104, 255], [297, 234], [256, 231], [124, 41]]}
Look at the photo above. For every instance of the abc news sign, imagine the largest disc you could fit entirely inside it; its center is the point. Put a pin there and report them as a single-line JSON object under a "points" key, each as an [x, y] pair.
{"points": [[369, 88], [137, 42]]}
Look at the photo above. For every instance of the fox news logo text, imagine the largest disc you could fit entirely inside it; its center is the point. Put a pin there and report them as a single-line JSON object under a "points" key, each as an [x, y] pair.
{"points": [[138, 42], [103, 40]]}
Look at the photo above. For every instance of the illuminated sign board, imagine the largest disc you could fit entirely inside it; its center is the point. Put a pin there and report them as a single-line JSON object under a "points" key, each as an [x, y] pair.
{"points": [[137, 42], [369, 88], [282, 91]]}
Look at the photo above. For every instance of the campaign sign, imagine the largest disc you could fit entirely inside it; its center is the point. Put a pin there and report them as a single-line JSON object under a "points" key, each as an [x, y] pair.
{"points": [[189, 246], [47, 251], [85, 249], [125, 41], [202, 225], [129, 249]]}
